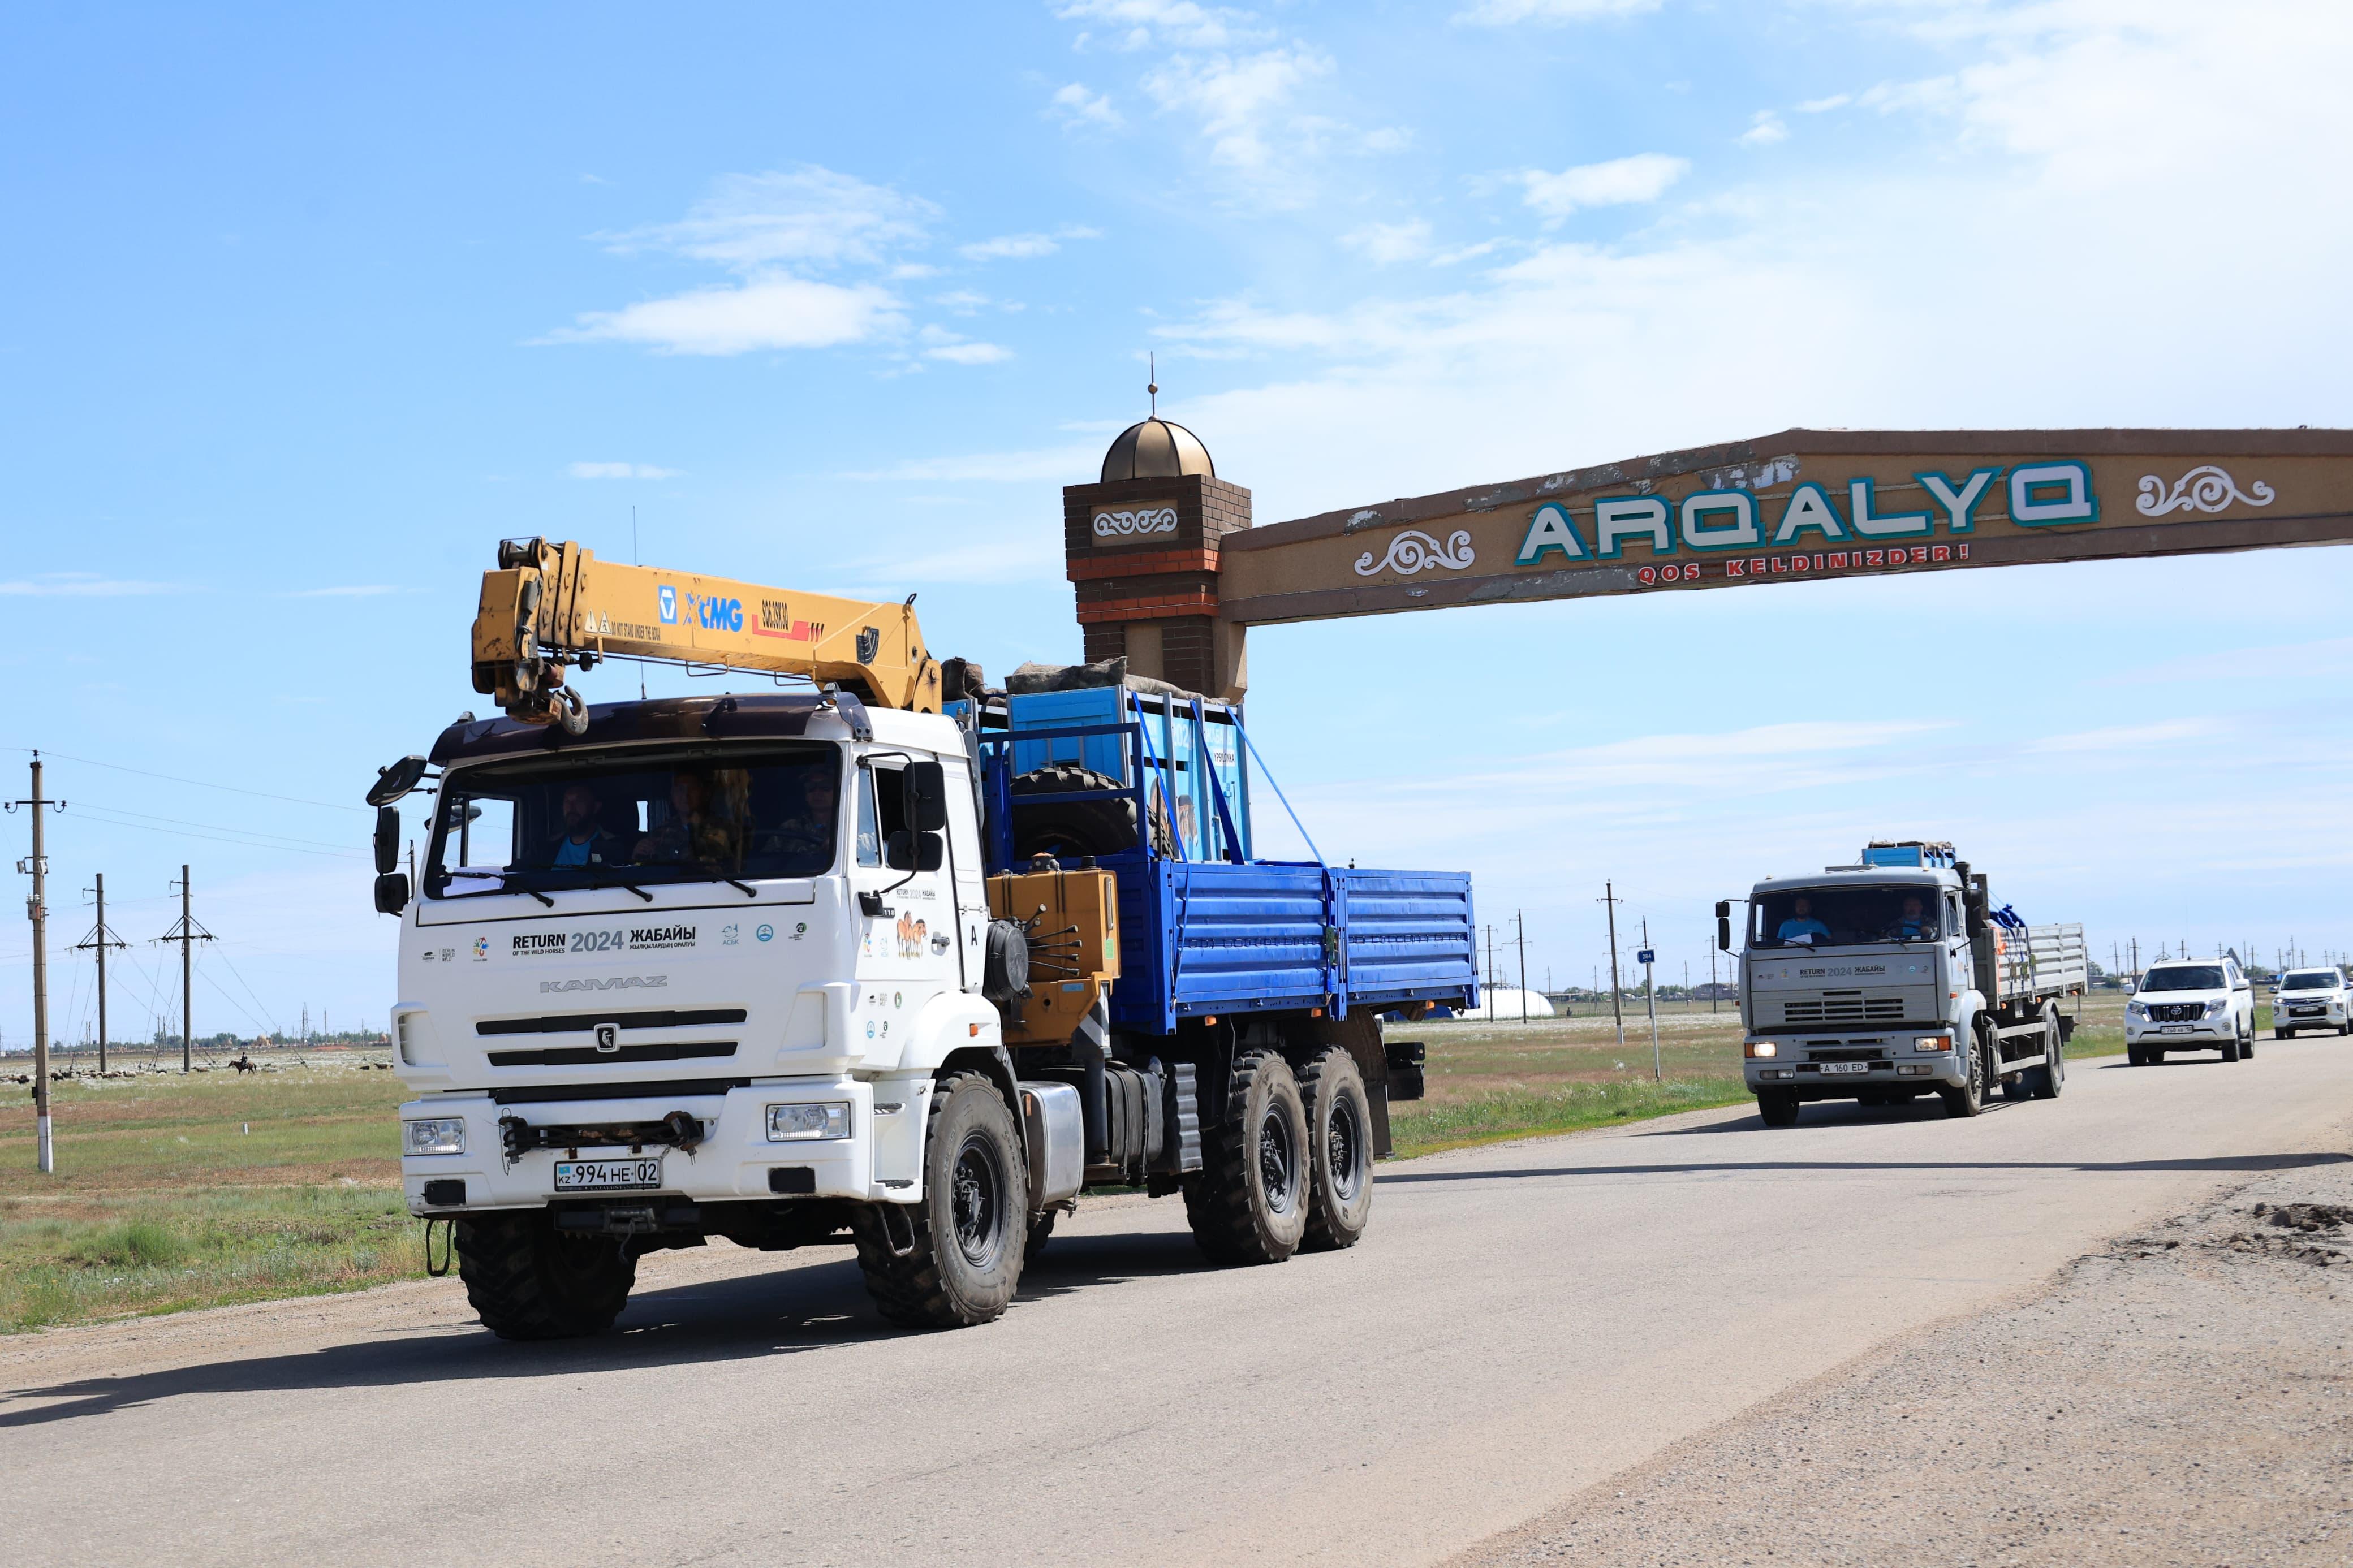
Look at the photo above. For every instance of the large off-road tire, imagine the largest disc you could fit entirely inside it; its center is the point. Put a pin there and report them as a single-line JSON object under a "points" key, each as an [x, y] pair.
{"points": [[529, 1281], [1249, 1204], [1968, 1099], [1072, 829], [1340, 1143], [969, 1232], [2230, 1050], [1778, 1107]]}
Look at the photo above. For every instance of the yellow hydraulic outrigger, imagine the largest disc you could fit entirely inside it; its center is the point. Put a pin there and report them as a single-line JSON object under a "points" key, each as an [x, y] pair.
{"points": [[551, 604]]}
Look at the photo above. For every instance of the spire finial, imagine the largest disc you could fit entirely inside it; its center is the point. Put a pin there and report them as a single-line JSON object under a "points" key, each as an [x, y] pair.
{"points": [[1153, 386]]}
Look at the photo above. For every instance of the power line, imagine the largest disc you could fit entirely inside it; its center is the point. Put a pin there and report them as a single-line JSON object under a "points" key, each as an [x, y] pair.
{"points": [[247, 843], [216, 827], [202, 784]]}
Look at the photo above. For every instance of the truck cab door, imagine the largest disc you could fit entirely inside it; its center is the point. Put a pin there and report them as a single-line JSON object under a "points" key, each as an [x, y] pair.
{"points": [[906, 912]]}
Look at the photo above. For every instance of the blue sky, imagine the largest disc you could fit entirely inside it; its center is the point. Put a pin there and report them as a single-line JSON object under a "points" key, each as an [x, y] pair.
{"points": [[307, 307]]}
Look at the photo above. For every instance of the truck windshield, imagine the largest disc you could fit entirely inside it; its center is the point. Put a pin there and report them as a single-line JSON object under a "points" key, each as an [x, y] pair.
{"points": [[1828, 917], [673, 814], [2185, 977], [2308, 980]]}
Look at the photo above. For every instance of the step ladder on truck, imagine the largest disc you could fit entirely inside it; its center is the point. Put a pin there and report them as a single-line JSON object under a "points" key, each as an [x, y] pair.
{"points": [[905, 960], [1895, 977]]}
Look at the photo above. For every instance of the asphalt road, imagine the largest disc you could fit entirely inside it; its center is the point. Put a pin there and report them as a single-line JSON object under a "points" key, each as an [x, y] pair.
{"points": [[1521, 1324]]}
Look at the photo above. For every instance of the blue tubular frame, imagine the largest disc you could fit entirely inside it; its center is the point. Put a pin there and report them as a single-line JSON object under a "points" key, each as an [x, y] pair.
{"points": [[1244, 934]]}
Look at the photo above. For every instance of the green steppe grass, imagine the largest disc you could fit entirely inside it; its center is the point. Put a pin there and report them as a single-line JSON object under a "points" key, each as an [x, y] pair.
{"points": [[174, 1193]]}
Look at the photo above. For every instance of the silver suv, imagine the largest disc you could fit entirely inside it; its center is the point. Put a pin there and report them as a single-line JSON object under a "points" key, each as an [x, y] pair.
{"points": [[2309, 999]]}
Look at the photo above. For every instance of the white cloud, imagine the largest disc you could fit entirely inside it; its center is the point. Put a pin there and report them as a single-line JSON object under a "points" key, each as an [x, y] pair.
{"points": [[1237, 100], [2125, 737], [1074, 105], [963, 301], [807, 215], [969, 353], [775, 310], [1505, 13], [1388, 242], [1822, 105], [1179, 23], [1644, 177], [1010, 248], [1764, 130], [620, 471], [953, 349]]}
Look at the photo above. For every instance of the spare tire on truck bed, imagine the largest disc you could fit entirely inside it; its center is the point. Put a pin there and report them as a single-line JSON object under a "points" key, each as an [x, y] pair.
{"points": [[1072, 829]]}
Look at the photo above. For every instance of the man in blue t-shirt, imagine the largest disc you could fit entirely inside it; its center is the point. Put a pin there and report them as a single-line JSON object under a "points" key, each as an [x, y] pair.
{"points": [[1801, 923]]}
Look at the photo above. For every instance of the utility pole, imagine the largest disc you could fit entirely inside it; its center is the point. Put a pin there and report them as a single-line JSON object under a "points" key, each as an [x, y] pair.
{"points": [[37, 909], [1520, 918], [100, 939], [1491, 972], [1651, 999], [1712, 992], [187, 933], [1609, 901]]}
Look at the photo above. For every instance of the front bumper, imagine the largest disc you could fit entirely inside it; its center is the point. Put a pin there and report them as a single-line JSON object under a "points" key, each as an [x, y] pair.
{"points": [[2204, 1034], [880, 1162], [1798, 1065], [2325, 1016]]}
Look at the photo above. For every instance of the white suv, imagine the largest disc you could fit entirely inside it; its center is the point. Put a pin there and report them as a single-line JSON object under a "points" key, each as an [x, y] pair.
{"points": [[2191, 1004], [2309, 999]]}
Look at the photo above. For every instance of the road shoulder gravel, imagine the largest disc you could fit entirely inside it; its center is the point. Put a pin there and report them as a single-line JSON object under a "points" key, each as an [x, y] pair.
{"points": [[2183, 1396]]}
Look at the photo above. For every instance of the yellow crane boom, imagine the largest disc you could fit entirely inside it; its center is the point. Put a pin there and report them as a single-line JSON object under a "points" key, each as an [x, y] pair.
{"points": [[549, 604]]}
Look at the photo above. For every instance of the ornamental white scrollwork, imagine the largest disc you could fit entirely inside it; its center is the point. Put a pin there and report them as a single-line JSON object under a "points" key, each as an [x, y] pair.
{"points": [[2207, 489], [1147, 519], [1413, 551]]}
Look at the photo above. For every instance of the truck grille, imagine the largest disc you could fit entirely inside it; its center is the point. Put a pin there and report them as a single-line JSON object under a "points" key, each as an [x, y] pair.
{"points": [[2176, 1012], [589, 1056], [1846, 1053], [1842, 1010], [574, 1023]]}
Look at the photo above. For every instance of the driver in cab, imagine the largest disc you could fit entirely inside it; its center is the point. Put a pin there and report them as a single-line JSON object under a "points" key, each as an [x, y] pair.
{"points": [[1915, 923], [1801, 925]]}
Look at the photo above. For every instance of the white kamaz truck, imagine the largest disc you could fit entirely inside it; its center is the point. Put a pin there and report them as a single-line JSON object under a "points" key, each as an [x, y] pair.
{"points": [[1893, 977], [902, 961]]}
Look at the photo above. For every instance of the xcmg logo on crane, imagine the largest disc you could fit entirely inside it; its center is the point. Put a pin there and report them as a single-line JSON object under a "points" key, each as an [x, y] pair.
{"points": [[708, 611]]}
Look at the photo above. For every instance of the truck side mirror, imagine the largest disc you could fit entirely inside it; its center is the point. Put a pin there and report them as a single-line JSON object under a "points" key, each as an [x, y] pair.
{"points": [[913, 851], [926, 786], [387, 840], [398, 780], [392, 892], [1724, 924]]}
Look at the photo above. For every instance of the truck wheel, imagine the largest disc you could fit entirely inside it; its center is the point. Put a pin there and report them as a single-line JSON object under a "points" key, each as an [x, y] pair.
{"points": [[1969, 1099], [1778, 1107], [2230, 1050], [1340, 1145], [1071, 829], [1250, 1203], [967, 1235], [2247, 1043], [2280, 1034], [2046, 1080], [527, 1281]]}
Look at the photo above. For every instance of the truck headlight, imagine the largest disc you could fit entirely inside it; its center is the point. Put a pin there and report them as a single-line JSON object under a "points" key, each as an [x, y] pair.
{"points": [[2216, 1008], [1933, 1043], [438, 1135], [806, 1124], [1761, 1048]]}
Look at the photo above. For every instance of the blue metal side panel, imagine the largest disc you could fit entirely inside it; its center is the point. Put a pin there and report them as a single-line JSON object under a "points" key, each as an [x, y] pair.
{"points": [[1410, 935], [1252, 938], [1106, 754]]}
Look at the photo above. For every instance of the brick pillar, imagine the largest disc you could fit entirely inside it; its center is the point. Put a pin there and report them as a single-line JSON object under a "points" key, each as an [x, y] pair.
{"points": [[1144, 556]]}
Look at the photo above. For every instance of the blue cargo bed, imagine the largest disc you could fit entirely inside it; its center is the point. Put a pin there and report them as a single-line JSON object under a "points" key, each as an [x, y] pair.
{"points": [[1209, 930]]}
